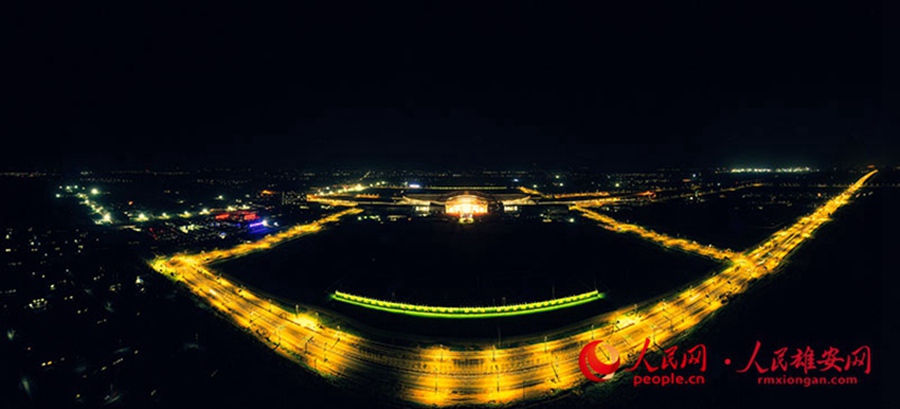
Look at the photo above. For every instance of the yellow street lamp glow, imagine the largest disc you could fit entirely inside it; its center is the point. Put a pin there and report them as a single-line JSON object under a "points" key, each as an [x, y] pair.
{"points": [[94, 191], [479, 372]]}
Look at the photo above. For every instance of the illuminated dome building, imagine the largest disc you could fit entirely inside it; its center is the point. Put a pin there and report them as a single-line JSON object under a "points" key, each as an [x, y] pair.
{"points": [[466, 206], [466, 203]]}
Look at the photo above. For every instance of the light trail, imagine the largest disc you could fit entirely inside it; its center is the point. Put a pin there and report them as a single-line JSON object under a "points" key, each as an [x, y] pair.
{"points": [[468, 312], [530, 191], [481, 372], [665, 240], [329, 201], [578, 194], [274, 239], [603, 198]]}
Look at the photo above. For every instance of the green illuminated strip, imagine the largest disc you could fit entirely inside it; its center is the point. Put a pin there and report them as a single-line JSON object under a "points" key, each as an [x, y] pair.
{"points": [[467, 312]]}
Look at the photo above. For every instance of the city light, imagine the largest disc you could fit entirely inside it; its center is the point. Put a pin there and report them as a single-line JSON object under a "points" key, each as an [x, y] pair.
{"points": [[665, 240], [770, 170], [466, 205], [434, 206], [478, 372]]}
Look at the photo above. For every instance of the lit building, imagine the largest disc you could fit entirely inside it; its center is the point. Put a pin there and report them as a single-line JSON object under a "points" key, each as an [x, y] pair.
{"points": [[466, 205]]}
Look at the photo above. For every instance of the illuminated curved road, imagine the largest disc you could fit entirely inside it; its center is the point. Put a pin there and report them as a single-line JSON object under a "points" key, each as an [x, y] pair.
{"points": [[480, 372]]}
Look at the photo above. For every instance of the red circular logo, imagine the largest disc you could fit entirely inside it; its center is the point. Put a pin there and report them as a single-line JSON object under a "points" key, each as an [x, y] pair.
{"points": [[590, 363]]}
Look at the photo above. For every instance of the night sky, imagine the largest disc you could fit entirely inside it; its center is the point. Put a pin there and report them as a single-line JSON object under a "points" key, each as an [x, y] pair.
{"points": [[511, 85]]}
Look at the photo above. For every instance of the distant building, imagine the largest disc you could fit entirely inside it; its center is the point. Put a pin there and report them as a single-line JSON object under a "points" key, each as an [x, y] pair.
{"points": [[290, 198]]}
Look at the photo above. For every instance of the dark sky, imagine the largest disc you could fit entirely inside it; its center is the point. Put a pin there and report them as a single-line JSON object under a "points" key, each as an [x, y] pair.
{"points": [[502, 85]]}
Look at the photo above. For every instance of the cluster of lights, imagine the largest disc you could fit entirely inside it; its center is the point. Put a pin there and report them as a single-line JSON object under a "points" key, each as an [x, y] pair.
{"points": [[467, 312], [330, 202], [475, 372], [530, 191], [81, 192], [466, 205], [579, 194], [146, 217], [96, 208], [770, 170], [328, 191]]}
